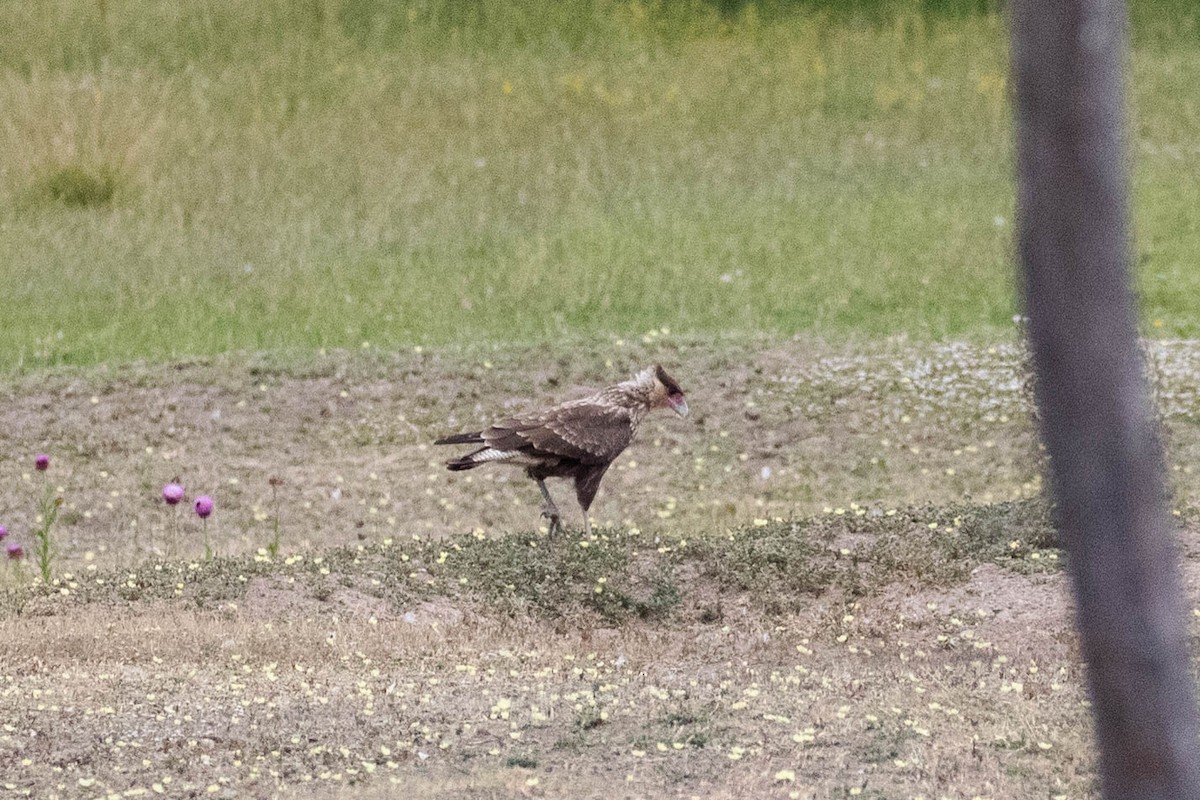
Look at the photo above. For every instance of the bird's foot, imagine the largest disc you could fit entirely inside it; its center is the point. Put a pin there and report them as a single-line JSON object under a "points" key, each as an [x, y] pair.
{"points": [[551, 513]]}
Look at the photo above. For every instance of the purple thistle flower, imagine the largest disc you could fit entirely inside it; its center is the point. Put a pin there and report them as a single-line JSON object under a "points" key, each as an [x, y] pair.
{"points": [[172, 493], [14, 552], [3, 532], [204, 506], [42, 462]]}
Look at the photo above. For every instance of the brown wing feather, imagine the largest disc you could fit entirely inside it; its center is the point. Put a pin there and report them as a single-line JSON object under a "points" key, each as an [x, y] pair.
{"points": [[591, 433], [507, 434]]}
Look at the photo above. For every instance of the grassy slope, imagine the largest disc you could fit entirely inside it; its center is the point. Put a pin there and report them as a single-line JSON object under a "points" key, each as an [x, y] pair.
{"points": [[704, 653], [299, 174], [723, 635], [322, 687], [634, 144], [907, 654]]}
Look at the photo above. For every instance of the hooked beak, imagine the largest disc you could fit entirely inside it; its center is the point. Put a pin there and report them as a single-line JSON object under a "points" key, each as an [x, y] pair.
{"points": [[679, 406]]}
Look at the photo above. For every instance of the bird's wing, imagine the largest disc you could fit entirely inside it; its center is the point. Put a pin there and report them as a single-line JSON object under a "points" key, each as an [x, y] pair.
{"points": [[592, 433]]}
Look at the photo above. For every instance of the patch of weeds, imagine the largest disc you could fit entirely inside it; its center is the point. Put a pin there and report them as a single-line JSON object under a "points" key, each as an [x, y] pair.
{"points": [[523, 762], [664, 598], [1017, 770], [589, 720], [679, 718], [782, 563], [941, 545], [615, 604], [205, 582], [618, 576], [521, 572], [1010, 534], [1015, 743], [78, 186], [643, 742], [219, 580], [513, 571], [886, 744], [571, 744], [680, 721], [374, 569]]}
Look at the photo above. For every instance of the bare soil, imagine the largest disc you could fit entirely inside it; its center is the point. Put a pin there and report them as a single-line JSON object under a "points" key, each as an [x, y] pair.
{"points": [[777, 429], [339, 668]]}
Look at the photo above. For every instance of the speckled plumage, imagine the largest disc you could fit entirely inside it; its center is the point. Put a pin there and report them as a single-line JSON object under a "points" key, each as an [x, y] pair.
{"points": [[578, 439]]}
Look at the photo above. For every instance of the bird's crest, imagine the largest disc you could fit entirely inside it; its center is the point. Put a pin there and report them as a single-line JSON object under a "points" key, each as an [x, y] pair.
{"points": [[655, 374], [645, 378], [666, 380]]}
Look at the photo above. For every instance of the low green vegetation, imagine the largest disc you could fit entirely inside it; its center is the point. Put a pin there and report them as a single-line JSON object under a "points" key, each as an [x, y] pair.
{"points": [[616, 575], [784, 564], [77, 187], [197, 178]]}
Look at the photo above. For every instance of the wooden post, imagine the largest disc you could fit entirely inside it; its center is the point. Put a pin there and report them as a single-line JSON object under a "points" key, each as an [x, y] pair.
{"points": [[1105, 457]]}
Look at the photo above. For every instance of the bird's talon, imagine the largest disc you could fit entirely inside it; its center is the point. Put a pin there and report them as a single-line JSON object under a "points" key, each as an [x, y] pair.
{"points": [[551, 514]]}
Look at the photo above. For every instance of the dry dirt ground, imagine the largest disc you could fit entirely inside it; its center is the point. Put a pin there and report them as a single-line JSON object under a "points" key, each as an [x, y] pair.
{"points": [[816, 586]]}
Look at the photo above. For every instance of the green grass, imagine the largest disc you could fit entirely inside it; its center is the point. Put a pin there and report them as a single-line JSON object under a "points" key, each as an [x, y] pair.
{"points": [[196, 178], [620, 576]]}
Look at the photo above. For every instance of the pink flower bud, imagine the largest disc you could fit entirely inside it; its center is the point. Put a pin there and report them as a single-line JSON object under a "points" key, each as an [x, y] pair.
{"points": [[172, 493], [204, 506]]}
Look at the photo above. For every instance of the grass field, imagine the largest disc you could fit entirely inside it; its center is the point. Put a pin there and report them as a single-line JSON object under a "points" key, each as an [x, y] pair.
{"points": [[182, 180], [835, 579], [271, 250], [723, 634]]}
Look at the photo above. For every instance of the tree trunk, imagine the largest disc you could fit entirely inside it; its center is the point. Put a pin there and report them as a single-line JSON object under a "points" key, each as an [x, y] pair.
{"points": [[1105, 456]]}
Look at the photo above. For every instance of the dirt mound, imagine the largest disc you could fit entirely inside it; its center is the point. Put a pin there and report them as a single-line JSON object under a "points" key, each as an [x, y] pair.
{"points": [[273, 597]]}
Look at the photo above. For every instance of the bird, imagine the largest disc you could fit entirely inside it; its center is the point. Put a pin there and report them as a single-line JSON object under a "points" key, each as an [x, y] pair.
{"points": [[578, 439]]}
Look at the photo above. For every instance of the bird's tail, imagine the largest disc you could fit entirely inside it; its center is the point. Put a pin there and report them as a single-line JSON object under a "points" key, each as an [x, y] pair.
{"points": [[478, 457], [459, 464], [462, 438], [468, 461]]}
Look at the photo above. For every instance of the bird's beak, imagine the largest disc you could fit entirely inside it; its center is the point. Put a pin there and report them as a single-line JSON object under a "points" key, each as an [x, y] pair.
{"points": [[680, 407]]}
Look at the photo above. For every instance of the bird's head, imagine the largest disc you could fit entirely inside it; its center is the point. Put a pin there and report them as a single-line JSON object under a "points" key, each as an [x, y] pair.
{"points": [[666, 393]]}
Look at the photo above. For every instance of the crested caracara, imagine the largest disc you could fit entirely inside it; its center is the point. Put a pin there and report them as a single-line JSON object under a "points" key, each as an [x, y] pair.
{"points": [[578, 439]]}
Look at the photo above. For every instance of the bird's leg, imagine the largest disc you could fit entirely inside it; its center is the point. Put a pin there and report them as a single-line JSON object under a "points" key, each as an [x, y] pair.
{"points": [[549, 510]]}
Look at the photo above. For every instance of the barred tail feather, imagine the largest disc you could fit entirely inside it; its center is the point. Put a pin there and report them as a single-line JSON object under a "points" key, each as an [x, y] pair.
{"points": [[479, 457], [462, 438], [460, 464]]}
